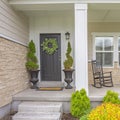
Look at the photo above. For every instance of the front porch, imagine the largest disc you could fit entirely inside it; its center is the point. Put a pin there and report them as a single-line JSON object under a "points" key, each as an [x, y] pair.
{"points": [[81, 20], [63, 95], [95, 94]]}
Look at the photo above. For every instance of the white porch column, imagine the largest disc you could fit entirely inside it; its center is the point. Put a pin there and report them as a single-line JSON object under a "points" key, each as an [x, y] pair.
{"points": [[81, 52]]}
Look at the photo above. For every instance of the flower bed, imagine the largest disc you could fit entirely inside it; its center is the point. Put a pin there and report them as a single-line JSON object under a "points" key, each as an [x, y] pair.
{"points": [[68, 116]]}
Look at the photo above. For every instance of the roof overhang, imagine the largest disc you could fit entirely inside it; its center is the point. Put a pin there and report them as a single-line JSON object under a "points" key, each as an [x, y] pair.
{"points": [[24, 5], [98, 10], [42, 7]]}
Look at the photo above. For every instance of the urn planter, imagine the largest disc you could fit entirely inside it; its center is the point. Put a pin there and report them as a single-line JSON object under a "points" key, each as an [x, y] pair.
{"points": [[32, 64], [34, 78], [68, 77]]}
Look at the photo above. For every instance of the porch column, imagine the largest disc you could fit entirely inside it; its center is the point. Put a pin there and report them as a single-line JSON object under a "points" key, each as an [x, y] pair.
{"points": [[81, 52]]}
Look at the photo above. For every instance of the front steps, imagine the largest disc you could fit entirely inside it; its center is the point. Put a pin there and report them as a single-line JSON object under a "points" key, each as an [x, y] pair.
{"points": [[39, 111]]}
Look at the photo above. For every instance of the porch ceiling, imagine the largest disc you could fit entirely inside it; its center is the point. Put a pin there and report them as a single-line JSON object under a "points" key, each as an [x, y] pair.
{"points": [[104, 12], [97, 12]]}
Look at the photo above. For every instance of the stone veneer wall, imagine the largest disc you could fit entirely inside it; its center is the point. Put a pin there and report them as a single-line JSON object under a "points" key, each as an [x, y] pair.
{"points": [[13, 74], [7, 117], [115, 73]]}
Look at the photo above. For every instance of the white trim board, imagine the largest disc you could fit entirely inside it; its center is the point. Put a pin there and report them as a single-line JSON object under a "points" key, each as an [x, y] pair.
{"points": [[105, 34], [20, 2], [13, 40]]}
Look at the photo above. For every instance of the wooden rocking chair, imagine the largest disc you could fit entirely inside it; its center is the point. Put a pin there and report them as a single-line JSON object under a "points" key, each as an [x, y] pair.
{"points": [[101, 78]]}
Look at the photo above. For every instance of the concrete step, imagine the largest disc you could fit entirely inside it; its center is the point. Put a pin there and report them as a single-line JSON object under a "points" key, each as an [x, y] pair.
{"points": [[37, 116], [40, 107]]}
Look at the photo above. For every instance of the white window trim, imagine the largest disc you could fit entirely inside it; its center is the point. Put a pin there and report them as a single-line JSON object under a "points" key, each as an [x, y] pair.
{"points": [[118, 51], [115, 43]]}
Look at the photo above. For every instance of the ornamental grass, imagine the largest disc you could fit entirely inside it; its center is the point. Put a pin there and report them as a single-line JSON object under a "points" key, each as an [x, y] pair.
{"points": [[105, 111]]}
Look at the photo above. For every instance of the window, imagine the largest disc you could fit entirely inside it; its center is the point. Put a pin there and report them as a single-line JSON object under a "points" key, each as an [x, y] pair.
{"points": [[119, 50], [104, 50]]}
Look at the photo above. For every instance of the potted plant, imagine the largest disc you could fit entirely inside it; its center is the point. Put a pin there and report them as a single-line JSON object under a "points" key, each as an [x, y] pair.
{"points": [[32, 64], [68, 67]]}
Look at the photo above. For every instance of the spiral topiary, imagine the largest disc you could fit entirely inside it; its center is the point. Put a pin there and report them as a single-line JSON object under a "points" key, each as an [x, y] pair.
{"points": [[31, 63], [69, 61]]}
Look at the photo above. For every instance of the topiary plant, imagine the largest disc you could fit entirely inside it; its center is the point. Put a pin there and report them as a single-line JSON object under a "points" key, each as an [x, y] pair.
{"points": [[69, 61], [80, 103], [31, 63], [111, 97]]}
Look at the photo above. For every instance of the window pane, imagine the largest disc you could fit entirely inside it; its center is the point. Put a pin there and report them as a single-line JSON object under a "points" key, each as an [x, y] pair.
{"points": [[119, 44], [99, 43], [108, 59], [119, 50], [105, 58], [99, 57], [108, 43]]}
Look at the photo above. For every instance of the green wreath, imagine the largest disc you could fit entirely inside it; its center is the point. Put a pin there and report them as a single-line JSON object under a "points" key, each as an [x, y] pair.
{"points": [[50, 45]]}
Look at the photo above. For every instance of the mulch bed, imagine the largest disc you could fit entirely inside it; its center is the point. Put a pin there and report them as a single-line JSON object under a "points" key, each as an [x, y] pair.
{"points": [[68, 116]]}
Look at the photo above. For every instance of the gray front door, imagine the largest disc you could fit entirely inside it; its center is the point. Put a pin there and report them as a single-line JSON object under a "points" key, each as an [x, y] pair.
{"points": [[50, 65]]}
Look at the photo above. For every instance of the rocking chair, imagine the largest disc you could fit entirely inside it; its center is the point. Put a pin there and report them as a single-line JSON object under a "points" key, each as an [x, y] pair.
{"points": [[101, 78]]}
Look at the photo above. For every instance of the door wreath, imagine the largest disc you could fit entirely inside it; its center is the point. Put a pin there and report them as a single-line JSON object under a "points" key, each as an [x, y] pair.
{"points": [[50, 45]]}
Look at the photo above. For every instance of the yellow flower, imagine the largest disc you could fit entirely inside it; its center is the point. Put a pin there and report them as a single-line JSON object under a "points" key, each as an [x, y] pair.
{"points": [[106, 111]]}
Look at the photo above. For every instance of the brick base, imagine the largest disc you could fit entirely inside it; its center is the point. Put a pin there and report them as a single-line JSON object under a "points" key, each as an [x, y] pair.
{"points": [[7, 117], [13, 73]]}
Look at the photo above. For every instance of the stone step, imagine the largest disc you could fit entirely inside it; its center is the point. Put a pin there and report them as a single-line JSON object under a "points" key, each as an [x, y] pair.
{"points": [[37, 116], [40, 107]]}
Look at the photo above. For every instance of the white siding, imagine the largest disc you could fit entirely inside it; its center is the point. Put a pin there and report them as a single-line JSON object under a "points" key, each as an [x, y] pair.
{"points": [[13, 25], [53, 22]]}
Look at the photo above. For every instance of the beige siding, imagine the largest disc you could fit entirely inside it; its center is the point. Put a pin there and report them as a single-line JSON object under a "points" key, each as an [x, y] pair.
{"points": [[13, 24], [13, 74]]}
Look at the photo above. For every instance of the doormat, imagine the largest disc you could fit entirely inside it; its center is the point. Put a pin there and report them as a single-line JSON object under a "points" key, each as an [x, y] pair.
{"points": [[50, 88]]}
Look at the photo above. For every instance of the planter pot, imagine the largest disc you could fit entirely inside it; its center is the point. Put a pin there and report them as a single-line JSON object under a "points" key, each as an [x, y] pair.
{"points": [[68, 78], [34, 78]]}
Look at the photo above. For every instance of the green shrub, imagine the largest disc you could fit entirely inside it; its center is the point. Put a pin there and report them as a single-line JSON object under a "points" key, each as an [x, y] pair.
{"points": [[31, 63], [84, 117], [69, 61], [80, 103], [111, 97]]}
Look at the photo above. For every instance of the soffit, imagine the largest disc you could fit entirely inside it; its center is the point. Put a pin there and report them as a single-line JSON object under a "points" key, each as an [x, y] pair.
{"points": [[97, 12], [104, 12]]}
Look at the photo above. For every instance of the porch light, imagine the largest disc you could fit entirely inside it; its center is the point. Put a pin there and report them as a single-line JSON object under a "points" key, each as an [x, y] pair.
{"points": [[67, 35]]}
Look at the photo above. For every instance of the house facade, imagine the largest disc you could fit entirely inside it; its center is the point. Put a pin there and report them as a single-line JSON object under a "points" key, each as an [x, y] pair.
{"points": [[94, 27]]}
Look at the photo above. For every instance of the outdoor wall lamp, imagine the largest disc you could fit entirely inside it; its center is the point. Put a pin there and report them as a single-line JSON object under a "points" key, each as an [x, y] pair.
{"points": [[67, 35]]}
